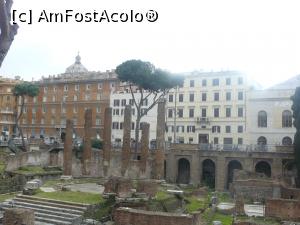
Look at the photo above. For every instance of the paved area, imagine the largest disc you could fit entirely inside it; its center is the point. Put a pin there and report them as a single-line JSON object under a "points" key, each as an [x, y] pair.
{"points": [[250, 209], [87, 187], [47, 189]]}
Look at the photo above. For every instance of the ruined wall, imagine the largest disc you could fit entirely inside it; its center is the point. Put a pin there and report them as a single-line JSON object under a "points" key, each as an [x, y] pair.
{"points": [[285, 209], [290, 193], [126, 216]]}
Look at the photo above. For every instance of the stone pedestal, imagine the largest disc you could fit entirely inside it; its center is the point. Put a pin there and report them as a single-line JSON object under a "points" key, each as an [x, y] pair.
{"points": [[68, 146], [239, 205], [87, 147], [15, 216], [145, 146], [126, 149], [107, 139], [160, 140], [220, 175]]}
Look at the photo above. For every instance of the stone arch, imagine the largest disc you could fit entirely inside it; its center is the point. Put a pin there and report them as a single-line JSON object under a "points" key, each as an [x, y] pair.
{"points": [[183, 171], [208, 173], [232, 165], [263, 167]]}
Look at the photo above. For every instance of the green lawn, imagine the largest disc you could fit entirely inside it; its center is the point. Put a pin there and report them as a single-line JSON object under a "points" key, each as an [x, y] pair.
{"points": [[6, 196], [30, 170], [195, 204], [72, 196], [51, 183], [2, 168], [163, 195]]}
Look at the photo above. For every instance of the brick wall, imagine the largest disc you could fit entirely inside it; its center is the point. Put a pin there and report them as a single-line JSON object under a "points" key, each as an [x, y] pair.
{"points": [[290, 193], [128, 216], [285, 209]]}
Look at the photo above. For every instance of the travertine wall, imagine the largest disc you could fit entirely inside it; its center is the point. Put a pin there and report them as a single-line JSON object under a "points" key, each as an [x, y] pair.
{"points": [[285, 209]]}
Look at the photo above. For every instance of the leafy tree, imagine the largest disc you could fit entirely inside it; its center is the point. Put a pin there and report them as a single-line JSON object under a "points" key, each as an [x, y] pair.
{"points": [[8, 31], [143, 76], [296, 114], [20, 91]]}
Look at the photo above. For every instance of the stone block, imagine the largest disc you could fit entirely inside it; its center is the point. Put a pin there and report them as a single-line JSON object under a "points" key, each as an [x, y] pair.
{"points": [[15, 216]]}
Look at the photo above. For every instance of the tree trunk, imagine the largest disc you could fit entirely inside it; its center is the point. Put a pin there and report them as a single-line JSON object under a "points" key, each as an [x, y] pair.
{"points": [[137, 134]]}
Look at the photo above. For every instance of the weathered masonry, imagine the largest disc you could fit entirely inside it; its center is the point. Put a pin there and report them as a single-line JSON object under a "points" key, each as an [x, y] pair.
{"points": [[214, 166]]}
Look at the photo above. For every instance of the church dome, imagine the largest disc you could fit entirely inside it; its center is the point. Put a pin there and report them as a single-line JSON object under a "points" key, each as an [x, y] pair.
{"points": [[77, 67]]}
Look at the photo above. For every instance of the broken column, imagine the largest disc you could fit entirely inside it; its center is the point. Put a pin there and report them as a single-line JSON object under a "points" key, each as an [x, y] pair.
{"points": [[145, 146], [239, 205], [107, 139], [126, 149], [15, 216], [68, 149], [160, 140], [87, 147]]}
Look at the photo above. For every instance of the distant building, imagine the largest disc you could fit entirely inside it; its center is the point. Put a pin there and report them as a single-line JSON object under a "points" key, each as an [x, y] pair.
{"points": [[66, 96], [210, 108], [7, 106]]}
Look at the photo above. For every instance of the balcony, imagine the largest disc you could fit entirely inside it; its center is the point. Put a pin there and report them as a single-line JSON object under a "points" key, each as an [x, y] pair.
{"points": [[202, 120]]}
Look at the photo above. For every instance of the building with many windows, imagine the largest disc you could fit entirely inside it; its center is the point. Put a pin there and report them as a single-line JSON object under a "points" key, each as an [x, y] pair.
{"points": [[208, 109], [67, 96]]}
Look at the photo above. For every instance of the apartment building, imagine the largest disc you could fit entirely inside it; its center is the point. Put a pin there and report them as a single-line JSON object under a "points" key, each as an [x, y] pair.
{"points": [[210, 108], [67, 96]]}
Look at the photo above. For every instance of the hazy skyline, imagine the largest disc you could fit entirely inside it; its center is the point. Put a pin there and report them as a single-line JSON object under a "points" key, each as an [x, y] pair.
{"points": [[260, 38]]}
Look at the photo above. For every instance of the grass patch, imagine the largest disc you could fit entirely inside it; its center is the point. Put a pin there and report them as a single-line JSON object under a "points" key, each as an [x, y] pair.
{"points": [[103, 209], [2, 168], [72, 196], [51, 183], [209, 217], [6, 196], [259, 220], [163, 195], [195, 204]]}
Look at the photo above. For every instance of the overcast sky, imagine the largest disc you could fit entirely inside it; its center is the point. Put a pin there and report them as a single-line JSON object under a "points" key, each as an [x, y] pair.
{"points": [[259, 37]]}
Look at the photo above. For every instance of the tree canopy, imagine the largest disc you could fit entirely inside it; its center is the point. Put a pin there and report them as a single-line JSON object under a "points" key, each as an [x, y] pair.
{"points": [[146, 76], [26, 89], [296, 115]]}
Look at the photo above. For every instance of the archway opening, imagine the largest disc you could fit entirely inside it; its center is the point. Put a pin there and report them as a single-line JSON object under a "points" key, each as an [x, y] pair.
{"points": [[232, 165], [263, 167], [183, 171], [208, 173]]}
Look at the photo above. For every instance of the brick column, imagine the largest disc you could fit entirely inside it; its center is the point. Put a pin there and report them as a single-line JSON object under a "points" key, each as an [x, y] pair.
{"points": [[107, 139], [276, 168], [145, 146], [15, 216], [87, 148], [160, 140], [221, 171], [126, 149], [68, 147]]}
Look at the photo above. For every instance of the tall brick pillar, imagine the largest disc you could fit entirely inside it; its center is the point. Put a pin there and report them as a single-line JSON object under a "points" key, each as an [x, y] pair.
{"points": [[220, 173], [87, 147], [145, 146], [107, 139], [160, 140], [68, 149], [126, 150]]}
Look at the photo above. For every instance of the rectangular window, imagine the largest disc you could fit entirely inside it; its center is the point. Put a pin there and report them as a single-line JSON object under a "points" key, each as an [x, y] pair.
{"points": [[99, 86], [216, 141], [45, 89], [65, 87], [240, 80], [98, 109], [87, 97], [240, 141], [216, 129], [144, 111], [44, 99], [65, 98], [131, 102], [44, 109], [53, 98], [240, 112], [75, 109], [180, 97], [98, 121], [33, 110], [98, 96], [228, 112], [216, 112], [116, 102], [76, 87], [240, 95], [180, 113], [191, 113], [145, 102], [203, 112], [190, 129], [115, 125], [228, 129], [228, 81], [192, 83], [88, 86], [216, 96], [216, 82], [170, 98], [240, 129], [204, 83], [75, 98], [170, 113], [228, 96], [204, 96], [192, 97], [63, 109], [123, 102]]}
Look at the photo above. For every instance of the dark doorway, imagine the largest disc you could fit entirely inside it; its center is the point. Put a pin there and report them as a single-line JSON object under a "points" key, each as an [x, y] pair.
{"points": [[232, 165], [183, 171], [208, 173], [263, 167]]}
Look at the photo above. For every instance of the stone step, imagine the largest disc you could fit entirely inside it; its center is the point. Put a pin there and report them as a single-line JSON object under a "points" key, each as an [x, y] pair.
{"points": [[52, 216], [59, 205], [52, 221], [49, 208], [52, 200]]}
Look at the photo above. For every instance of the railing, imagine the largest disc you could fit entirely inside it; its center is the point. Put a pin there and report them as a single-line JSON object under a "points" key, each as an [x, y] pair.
{"points": [[203, 120], [246, 148]]}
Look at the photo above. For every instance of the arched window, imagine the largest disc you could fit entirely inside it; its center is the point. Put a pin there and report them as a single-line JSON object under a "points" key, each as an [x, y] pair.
{"points": [[262, 140], [287, 119], [287, 141], [262, 119]]}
